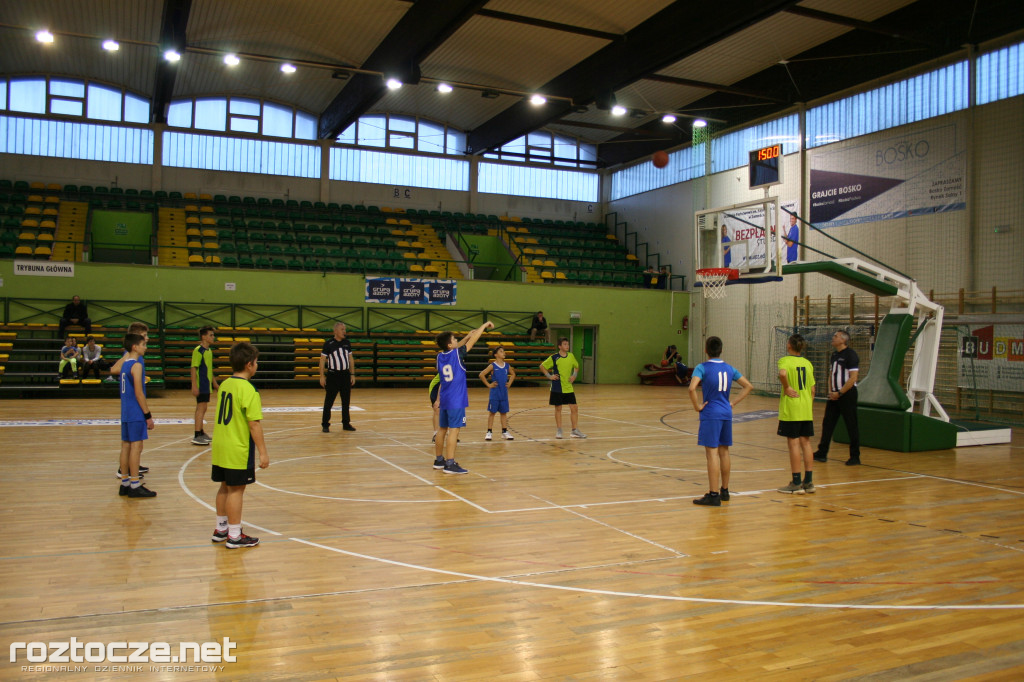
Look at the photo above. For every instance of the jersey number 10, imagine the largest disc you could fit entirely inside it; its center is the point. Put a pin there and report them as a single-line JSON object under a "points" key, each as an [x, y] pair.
{"points": [[226, 408]]}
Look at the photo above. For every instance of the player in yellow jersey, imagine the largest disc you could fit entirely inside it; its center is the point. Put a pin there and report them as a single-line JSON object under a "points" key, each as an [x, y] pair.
{"points": [[796, 414], [237, 435]]}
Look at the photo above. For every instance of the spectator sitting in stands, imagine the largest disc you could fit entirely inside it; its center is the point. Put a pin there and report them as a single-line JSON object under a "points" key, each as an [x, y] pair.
{"points": [[663, 277], [539, 327], [75, 313], [69, 356], [92, 359], [649, 276]]}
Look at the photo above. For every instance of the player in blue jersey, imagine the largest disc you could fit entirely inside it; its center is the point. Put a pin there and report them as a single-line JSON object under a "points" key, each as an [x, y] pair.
{"points": [[135, 417], [501, 377], [715, 378], [453, 396], [142, 329]]}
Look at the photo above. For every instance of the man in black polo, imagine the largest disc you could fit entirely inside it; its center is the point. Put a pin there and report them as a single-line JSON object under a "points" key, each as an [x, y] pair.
{"points": [[75, 313], [842, 398], [337, 375]]}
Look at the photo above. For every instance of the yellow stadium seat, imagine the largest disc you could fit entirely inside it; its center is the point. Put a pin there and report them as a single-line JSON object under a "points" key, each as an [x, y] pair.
{"points": [[44, 237], [195, 259], [23, 251], [193, 232], [546, 275], [550, 264], [194, 244], [191, 208], [27, 236], [415, 267], [36, 185], [560, 275], [30, 222], [43, 251], [35, 199], [205, 197], [209, 233], [214, 260], [52, 200], [189, 195]]}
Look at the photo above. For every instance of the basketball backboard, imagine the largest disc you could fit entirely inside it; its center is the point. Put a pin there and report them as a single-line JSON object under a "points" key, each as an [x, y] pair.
{"points": [[737, 237]]}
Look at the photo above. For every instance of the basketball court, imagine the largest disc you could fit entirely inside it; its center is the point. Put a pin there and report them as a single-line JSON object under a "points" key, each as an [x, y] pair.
{"points": [[565, 559]]}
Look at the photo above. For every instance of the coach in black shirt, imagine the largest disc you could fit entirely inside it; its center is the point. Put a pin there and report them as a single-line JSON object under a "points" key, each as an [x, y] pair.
{"points": [[337, 375], [842, 398]]}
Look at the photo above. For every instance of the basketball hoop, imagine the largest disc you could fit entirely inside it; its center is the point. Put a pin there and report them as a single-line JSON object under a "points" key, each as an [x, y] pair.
{"points": [[712, 280]]}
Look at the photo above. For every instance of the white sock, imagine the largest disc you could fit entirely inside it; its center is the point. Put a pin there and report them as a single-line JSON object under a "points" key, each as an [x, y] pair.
{"points": [[234, 530], [222, 523]]}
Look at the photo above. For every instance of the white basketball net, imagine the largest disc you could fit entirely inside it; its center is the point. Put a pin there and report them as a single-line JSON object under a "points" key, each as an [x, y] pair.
{"points": [[713, 284]]}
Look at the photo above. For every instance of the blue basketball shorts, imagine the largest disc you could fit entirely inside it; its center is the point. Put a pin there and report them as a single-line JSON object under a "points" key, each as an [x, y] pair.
{"points": [[452, 419], [134, 431], [497, 405], [715, 433]]}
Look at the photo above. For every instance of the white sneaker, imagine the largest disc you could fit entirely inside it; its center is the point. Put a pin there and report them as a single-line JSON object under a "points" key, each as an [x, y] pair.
{"points": [[488, 436], [576, 433], [507, 436], [558, 433]]}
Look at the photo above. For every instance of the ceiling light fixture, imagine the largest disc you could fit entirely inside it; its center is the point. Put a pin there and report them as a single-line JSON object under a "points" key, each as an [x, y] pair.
{"points": [[668, 118], [111, 45], [232, 60], [287, 68], [619, 110], [44, 36], [444, 88], [393, 84], [172, 56], [537, 100], [699, 123]]}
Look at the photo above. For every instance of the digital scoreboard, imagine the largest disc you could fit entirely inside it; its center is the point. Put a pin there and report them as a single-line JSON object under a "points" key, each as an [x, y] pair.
{"points": [[765, 166]]}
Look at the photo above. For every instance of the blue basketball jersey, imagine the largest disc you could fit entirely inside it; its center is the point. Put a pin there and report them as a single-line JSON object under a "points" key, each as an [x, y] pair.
{"points": [[500, 376], [131, 411], [716, 379], [454, 394]]}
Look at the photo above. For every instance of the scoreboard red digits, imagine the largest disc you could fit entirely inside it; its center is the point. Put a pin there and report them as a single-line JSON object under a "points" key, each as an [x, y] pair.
{"points": [[765, 167]]}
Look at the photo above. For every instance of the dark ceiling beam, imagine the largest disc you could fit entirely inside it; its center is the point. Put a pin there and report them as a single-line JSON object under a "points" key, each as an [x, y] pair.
{"points": [[681, 29], [172, 36], [713, 86], [639, 132], [564, 28], [420, 31], [880, 29]]}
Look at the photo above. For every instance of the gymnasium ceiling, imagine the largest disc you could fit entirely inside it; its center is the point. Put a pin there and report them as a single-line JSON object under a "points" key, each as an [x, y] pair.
{"points": [[730, 61]]}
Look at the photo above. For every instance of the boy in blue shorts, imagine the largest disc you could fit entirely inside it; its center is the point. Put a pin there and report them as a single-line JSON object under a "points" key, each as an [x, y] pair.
{"points": [[715, 432], [238, 434], [136, 419], [453, 395], [502, 375]]}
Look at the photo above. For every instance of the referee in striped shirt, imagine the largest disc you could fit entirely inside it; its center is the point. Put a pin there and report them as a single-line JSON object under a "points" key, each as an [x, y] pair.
{"points": [[337, 375]]}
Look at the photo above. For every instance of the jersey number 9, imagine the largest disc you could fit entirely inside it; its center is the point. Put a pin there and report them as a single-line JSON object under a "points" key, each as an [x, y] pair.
{"points": [[447, 373]]}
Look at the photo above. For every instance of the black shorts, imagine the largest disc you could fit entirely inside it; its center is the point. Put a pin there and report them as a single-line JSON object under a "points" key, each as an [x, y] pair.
{"points": [[433, 394], [796, 429], [232, 476], [202, 398], [562, 399]]}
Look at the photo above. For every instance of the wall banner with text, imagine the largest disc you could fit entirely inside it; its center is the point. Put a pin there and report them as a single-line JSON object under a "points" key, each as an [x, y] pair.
{"points": [[917, 173], [991, 357], [410, 290]]}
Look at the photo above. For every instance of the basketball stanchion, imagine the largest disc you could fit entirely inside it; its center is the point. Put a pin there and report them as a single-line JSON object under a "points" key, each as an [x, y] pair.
{"points": [[712, 281]]}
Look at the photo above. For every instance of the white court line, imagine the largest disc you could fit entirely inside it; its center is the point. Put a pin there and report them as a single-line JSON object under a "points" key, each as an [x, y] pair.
{"points": [[611, 527], [651, 466], [669, 597], [181, 482], [430, 483]]}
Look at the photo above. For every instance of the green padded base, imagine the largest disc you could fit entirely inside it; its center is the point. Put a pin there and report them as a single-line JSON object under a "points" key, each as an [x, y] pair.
{"points": [[899, 431]]}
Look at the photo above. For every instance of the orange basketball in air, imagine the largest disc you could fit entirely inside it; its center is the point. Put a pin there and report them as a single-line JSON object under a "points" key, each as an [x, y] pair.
{"points": [[660, 159]]}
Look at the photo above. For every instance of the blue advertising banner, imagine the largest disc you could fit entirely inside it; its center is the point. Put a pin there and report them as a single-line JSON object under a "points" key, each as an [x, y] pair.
{"points": [[919, 172], [410, 290]]}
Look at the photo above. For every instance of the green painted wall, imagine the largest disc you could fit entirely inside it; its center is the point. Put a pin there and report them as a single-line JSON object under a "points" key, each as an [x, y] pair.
{"points": [[492, 252], [635, 324]]}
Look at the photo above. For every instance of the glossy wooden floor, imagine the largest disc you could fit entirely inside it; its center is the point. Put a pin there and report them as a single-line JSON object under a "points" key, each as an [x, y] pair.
{"points": [[551, 560]]}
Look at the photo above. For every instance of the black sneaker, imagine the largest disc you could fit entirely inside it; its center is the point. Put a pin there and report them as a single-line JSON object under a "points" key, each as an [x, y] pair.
{"points": [[853, 461], [724, 494], [219, 535], [143, 470], [820, 458], [326, 429], [141, 491], [709, 500], [454, 468], [241, 541], [439, 462], [348, 427], [122, 490]]}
